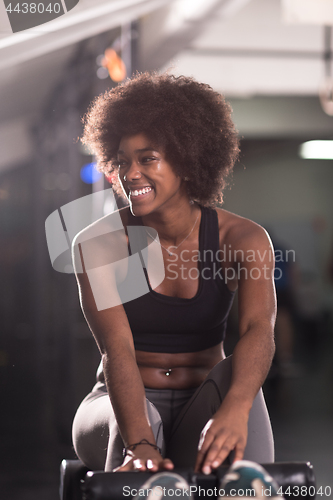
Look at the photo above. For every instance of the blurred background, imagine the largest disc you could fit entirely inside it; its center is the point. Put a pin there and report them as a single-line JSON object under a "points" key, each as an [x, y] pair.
{"points": [[273, 61]]}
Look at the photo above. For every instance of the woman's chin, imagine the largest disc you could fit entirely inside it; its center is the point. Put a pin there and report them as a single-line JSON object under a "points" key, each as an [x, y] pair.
{"points": [[138, 211]]}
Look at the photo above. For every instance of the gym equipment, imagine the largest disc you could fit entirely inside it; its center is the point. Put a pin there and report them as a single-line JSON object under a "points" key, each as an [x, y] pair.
{"points": [[249, 478], [167, 483], [78, 483]]}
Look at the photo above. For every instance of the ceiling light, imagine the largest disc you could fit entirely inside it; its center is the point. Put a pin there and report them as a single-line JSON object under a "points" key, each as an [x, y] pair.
{"points": [[115, 65], [317, 150]]}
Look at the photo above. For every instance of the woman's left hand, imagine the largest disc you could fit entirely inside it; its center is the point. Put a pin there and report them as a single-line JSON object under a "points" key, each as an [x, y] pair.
{"points": [[226, 431]]}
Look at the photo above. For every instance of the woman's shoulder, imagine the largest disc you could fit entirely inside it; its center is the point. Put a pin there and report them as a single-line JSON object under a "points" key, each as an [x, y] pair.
{"points": [[102, 242], [239, 231], [108, 224]]}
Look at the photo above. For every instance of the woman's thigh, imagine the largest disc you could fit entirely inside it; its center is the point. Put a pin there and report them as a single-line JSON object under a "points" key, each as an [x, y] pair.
{"points": [[96, 437], [91, 429], [183, 444]]}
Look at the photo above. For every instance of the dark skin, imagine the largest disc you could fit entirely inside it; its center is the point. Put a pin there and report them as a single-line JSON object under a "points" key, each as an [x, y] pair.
{"points": [[167, 208]]}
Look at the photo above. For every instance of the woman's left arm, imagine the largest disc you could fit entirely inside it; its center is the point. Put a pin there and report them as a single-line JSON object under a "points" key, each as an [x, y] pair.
{"points": [[253, 354]]}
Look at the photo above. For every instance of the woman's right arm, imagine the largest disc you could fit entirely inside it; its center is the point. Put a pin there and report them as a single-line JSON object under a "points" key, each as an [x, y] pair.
{"points": [[113, 335]]}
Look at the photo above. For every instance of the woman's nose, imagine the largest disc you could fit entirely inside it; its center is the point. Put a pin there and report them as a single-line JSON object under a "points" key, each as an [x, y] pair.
{"points": [[133, 172]]}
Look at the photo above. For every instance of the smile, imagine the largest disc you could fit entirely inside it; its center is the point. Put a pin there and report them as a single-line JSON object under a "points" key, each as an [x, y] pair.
{"points": [[140, 193]]}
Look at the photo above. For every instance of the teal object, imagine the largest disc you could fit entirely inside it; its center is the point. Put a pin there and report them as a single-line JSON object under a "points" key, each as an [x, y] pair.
{"points": [[248, 479]]}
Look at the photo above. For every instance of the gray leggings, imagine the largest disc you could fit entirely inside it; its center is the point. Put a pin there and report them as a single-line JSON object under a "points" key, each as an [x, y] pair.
{"points": [[177, 418]]}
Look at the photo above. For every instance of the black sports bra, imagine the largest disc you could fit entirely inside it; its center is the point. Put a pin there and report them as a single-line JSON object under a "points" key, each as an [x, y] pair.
{"points": [[161, 323]]}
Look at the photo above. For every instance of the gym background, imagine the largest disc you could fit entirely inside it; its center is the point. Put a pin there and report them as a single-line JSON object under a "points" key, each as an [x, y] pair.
{"points": [[271, 61]]}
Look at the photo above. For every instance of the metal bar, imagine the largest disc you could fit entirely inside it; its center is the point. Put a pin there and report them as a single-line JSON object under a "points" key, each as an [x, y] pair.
{"points": [[278, 54], [328, 50]]}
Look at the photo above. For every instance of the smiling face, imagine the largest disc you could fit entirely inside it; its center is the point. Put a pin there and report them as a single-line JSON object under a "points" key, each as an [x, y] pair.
{"points": [[148, 180]]}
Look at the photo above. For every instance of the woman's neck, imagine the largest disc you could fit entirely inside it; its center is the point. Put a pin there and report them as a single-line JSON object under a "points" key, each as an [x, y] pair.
{"points": [[174, 224]]}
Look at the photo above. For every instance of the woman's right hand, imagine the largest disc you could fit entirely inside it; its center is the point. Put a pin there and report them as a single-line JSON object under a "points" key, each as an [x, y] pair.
{"points": [[145, 458]]}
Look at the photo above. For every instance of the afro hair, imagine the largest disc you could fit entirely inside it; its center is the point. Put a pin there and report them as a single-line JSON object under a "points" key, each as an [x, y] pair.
{"points": [[188, 120]]}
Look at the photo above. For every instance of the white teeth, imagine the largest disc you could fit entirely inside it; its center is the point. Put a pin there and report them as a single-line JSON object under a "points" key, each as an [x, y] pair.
{"points": [[141, 191]]}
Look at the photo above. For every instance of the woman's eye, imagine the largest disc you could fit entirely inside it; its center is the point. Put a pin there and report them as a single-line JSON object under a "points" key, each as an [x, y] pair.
{"points": [[147, 159], [124, 163], [120, 163]]}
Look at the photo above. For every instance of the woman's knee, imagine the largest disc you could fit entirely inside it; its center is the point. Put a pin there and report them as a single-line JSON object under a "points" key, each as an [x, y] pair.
{"points": [[96, 436], [90, 432], [91, 446]]}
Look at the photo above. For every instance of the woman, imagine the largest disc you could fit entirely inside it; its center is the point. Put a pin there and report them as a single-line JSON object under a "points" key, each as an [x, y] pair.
{"points": [[169, 397]]}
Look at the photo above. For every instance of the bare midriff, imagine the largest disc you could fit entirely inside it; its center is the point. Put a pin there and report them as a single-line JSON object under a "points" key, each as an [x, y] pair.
{"points": [[177, 370]]}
